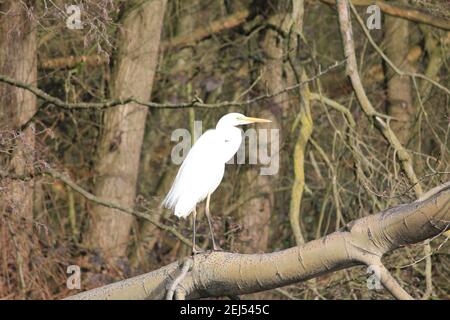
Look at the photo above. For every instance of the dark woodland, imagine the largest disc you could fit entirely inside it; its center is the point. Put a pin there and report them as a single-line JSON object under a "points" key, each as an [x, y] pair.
{"points": [[92, 93]]}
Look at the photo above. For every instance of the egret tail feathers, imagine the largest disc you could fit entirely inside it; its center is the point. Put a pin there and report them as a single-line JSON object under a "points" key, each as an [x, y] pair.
{"points": [[184, 208], [181, 208]]}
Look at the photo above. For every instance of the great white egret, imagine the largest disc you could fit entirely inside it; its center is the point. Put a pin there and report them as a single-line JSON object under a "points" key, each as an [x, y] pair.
{"points": [[202, 171]]}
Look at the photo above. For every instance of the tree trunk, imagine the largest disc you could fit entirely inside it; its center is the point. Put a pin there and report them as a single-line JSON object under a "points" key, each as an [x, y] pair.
{"points": [[121, 140], [255, 214], [17, 106], [148, 233], [400, 103], [256, 220]]}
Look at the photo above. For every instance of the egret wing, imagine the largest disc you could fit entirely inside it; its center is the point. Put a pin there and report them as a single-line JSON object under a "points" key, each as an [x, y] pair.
{"points": [[199, 174]]}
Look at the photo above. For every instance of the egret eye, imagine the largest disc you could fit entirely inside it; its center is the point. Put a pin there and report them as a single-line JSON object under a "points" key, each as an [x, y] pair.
{"points": [[227, 140]]}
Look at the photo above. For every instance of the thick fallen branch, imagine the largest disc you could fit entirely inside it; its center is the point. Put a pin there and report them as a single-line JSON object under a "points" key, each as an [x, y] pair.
{"points": [[361, 242]]}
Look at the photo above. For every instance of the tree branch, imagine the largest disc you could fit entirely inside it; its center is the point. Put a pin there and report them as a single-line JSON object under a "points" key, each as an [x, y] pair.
{"points": [[217, 274], [174, 285], [404, 12], [391, 284], [113, 205], [366, 105], [385, 277], [183, 40], [197, 103]]}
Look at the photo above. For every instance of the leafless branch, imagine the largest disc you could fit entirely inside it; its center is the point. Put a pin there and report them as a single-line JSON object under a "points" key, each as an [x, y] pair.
{"points": [[402, 11], [113, 205], [216, 274], [174, 285], [195, 103]]}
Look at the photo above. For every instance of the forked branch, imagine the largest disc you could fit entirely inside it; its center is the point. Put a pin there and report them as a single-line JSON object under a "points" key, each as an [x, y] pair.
{"points": [[361, 242]]}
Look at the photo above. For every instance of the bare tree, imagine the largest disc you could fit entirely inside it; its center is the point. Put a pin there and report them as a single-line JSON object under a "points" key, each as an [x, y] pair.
{"points": [[123, 126], [399, 88], [17, 106], [362, 120], [284, 17]]}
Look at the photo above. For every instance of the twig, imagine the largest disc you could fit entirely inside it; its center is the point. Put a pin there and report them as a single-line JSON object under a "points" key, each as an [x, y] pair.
{"points": [[113, 205], [286, 294], [197, 103], [366, 105], [402, 11], [183, 40], [389, 282], [19, 258], [174, 285], [389, 62], [429, 253]]}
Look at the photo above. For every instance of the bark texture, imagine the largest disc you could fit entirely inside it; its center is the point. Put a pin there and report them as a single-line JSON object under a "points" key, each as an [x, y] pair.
{"points": [[361, 242], [256, 215], [121, 139], [400, 104], [17, 60]]}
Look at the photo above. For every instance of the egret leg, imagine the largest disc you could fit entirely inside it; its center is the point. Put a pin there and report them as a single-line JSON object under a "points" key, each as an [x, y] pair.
{"points": [[208, 215], [194, 216]]}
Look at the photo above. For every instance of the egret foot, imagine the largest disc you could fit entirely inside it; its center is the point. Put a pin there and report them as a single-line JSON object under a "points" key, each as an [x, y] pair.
{"points": [[195, 251]]}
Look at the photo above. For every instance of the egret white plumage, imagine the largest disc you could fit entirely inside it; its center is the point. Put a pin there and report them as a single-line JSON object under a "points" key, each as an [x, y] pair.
{"points": [[203, 168]]}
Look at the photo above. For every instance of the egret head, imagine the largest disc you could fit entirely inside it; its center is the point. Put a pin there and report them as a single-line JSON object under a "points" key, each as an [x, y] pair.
{"points": [[237, 119]]}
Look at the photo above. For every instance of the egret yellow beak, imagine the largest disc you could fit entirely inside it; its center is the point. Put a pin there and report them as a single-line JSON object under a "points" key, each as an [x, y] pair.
{"points": [[253, 120]]}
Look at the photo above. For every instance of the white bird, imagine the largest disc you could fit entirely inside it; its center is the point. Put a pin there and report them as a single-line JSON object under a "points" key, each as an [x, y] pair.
{"points": [[202, 171]]}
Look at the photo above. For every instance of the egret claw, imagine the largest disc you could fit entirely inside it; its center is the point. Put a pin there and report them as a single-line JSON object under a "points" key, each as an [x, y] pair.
{"points": [[195, 251]]}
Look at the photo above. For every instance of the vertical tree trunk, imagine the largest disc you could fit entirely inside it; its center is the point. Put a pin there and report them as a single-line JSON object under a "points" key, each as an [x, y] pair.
{"points": [[17, 106], [121, 140], [256, 220], [399, 88], [182, 72], [401, 104]]}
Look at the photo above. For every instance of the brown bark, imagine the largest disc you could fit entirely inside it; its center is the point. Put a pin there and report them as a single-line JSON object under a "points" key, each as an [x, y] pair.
{"points": [[121, 140], [255, 220], [399, 88], [182, 62], [17, 60]]}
